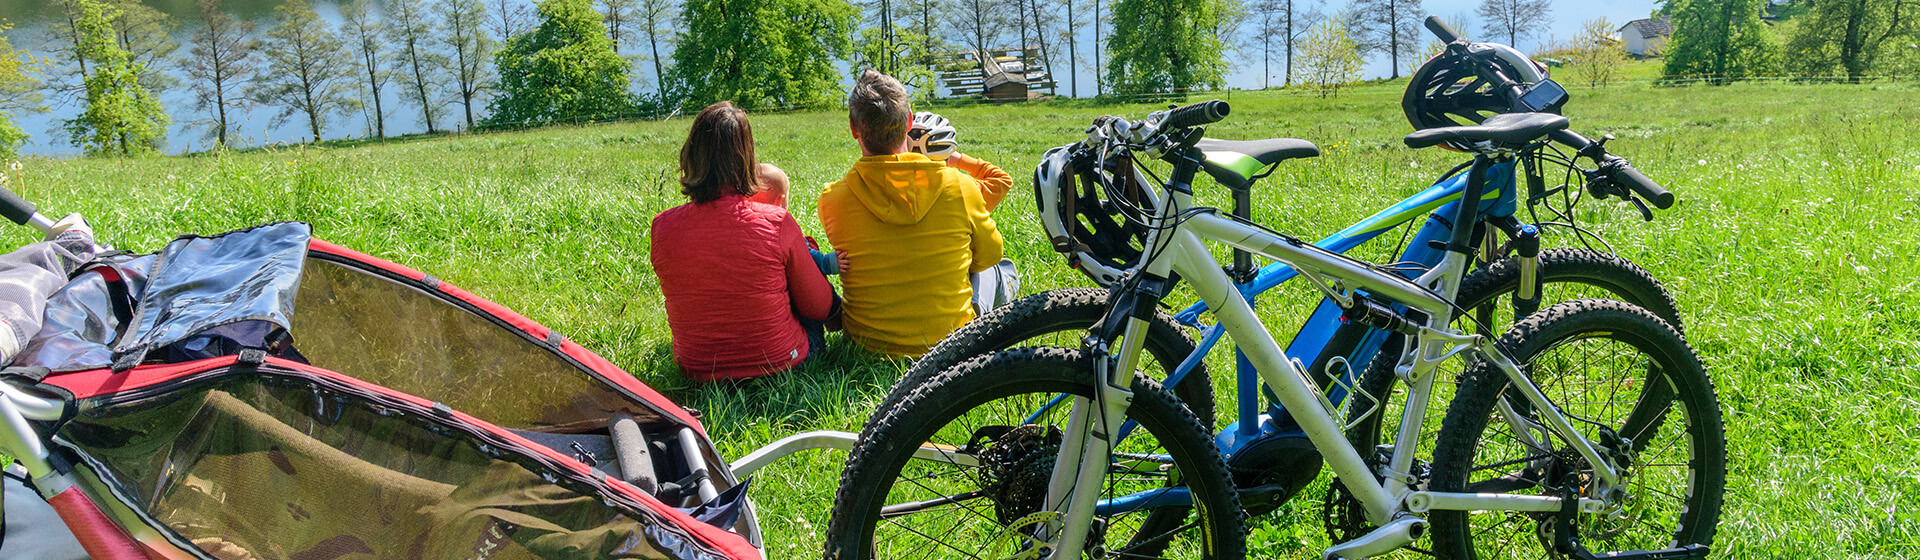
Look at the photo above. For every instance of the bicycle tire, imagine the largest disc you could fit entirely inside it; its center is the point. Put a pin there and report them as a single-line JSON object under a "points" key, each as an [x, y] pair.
{"points": [[1675, 378], [878, 460], [1624, 280], [1058, 311]]}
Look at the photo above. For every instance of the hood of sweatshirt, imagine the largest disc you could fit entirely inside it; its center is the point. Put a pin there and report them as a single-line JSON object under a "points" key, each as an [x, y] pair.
{"points": [[899, 189]]}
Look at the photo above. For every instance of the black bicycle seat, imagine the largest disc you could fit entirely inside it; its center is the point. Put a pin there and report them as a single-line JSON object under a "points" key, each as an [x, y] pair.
{"points": [[1234, 162], [1509, 129]]}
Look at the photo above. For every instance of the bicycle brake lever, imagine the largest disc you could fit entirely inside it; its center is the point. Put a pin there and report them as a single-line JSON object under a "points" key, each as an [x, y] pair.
{"points": [[1645, 212]]}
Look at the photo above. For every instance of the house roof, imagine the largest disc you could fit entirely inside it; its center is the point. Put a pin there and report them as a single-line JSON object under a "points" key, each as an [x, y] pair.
{"points": [[1649, 28]]}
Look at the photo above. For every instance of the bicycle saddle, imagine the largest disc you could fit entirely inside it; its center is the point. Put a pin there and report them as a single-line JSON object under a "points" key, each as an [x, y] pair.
{"points": [[1508, 129], [1234, 162]]}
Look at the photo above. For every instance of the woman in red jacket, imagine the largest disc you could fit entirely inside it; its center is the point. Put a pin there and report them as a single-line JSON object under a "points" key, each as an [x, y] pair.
{"points": [[744, 296]]}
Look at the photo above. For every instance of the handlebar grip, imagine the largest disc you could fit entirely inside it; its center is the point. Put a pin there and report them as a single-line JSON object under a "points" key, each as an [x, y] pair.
{"points": [[1641, 185], [1441, 30], [14, 208], [1204, 112]]}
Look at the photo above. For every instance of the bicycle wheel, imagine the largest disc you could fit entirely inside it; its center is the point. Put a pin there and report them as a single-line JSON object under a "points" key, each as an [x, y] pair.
{"points": [[1671, 446], [891, 505], [1060, 318], [1565, 275]]}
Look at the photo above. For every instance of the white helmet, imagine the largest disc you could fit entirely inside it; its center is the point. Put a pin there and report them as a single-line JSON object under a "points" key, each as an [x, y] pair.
{"points": [[1091, 231], [932, 136]]}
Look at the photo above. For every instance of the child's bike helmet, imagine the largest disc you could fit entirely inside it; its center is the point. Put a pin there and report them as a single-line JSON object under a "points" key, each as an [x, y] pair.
{"points": [[1466, 83], [1081, 220]]}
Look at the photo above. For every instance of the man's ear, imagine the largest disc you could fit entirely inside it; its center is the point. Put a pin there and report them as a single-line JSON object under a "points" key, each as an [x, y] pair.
{"points": [[853, 129]]}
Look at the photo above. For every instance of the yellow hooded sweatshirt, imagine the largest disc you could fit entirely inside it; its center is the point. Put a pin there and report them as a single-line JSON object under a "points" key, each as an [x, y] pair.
{"points": [[913, 229]]}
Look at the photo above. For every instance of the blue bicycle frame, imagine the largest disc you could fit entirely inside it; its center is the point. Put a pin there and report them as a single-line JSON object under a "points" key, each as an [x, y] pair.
{"points": [[1437, 202]]}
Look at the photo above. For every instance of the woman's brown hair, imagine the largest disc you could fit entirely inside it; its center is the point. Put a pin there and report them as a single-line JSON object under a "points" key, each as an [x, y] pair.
{"points": [[717, 159]]}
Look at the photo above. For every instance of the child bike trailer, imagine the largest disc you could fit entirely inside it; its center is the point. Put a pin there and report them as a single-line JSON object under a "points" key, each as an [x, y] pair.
{"points": [[262, 394]]}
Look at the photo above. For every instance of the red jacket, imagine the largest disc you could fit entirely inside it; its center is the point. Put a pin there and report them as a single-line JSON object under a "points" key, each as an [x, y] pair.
{"points": [[734, 273]]}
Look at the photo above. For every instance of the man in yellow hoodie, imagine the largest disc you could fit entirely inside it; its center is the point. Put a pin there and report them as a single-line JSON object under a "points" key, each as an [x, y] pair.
{"points": [[911, 227]]}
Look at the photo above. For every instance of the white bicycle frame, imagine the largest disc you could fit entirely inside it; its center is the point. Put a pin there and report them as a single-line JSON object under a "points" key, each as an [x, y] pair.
{"points": [[1393, 505]]}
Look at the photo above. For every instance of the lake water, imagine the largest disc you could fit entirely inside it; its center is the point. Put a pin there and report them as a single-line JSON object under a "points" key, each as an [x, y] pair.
{"points": [[252, 126]]}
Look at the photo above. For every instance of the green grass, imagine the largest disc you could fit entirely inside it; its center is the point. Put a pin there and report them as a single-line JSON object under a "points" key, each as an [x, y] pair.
{"points": [[1793, 254]]}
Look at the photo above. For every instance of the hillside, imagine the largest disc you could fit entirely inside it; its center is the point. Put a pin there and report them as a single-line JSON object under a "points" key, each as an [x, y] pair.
{"points": [[1791, 253]]}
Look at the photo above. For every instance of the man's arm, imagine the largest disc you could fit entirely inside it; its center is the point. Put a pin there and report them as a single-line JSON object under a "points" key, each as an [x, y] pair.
{"points": [[987, 245], [994, 182]]}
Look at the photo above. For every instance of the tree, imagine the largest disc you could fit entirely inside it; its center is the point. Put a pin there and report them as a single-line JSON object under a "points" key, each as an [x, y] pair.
{"points": [[619, 17], [1850, 35], [1330, 58], [19, 91], [908, 45], [563, 70], [655, 18], [144, 33], [1166, 45], [308, 70], [1277, 25], [1595, 57], [1390, 26], [921, 39], [421, 67], [1515, 19], [220, 61], [122, 116], [508, 18], [366, 40], [1723, 40], [761, 53], [979, 27], [462, 33]]}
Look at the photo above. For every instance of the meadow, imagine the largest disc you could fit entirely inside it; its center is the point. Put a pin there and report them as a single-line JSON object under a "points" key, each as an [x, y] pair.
{"points": [[1792, 253]]}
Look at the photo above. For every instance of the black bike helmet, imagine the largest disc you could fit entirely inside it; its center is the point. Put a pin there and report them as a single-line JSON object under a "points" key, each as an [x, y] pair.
{"points": [[1449, 91]]}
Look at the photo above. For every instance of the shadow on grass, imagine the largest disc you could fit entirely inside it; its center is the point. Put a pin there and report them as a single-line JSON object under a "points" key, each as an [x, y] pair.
{"points": [[834, 390]]}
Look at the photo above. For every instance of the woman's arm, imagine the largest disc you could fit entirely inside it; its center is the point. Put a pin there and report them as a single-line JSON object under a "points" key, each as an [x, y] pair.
{"points": [[812, 295]]}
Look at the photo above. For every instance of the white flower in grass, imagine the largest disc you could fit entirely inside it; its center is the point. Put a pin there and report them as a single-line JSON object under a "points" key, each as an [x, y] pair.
{"points": [[1702, 162]]}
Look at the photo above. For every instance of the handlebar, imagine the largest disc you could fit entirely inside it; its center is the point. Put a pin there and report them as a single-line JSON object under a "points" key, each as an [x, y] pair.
{"points": [[1202, 113], [16, 209], [1616, 168], [1441, 30]]}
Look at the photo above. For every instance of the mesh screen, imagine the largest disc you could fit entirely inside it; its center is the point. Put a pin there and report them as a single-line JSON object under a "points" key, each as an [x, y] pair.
{"points": [[269, 467], [392, 335]]}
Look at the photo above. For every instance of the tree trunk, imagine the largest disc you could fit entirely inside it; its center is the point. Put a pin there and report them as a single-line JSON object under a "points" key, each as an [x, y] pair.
{"points": [[1290, 36]]}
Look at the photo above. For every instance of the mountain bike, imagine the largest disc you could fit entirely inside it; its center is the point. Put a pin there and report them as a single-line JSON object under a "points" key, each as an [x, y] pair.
{"points": [[1578, 483], [1266, 451]]}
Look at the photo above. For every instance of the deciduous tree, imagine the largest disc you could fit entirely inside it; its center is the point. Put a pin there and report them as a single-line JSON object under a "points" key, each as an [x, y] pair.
{"points": [[1595, 57], [619, 17], [1330, 59], [221, 60], [656, 20], [1389, 26], [508, 18], [366, 39], [421, 67], [563, 70], [122, 117], [1276, 26], [1166, 45], [308, 69], [1514, 20], [19, 91], [463, 34], [1721, 40], [1851, 35], [762, 53]]}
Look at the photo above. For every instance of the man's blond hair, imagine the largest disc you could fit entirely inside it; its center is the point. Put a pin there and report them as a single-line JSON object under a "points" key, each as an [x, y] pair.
{"points": [[880, 111]]}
